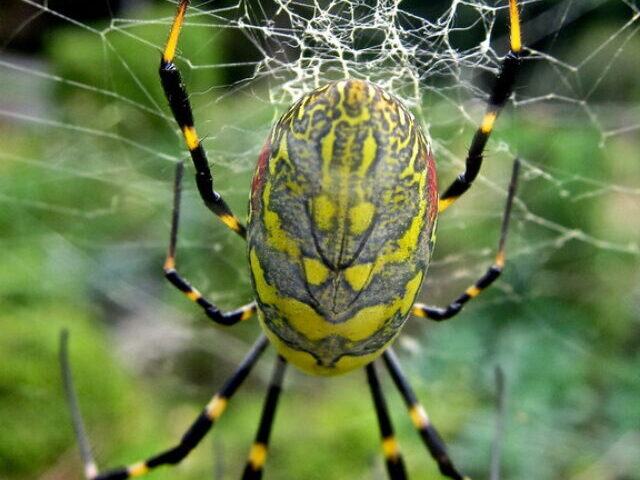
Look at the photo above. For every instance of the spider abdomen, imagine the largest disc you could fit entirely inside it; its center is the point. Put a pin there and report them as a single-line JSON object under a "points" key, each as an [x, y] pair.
{"points": [[342, 212]]}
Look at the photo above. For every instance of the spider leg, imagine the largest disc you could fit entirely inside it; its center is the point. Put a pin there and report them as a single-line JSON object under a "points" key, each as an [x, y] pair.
{"points": [[176, 93], [258, 455], [213, 312], [492, 273], [501, 91], [90, 468], [190, 439], [428, 433], [392, 455]]}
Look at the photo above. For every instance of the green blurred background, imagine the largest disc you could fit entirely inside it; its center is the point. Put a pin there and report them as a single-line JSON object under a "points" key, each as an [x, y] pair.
{"points": [[86, 168]]}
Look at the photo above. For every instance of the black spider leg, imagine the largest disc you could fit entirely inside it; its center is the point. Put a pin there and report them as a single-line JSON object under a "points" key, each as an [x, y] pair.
{"points": [[490, 276], [190, 439], [183, 285], [258, 455], [501, 91], [176, 93], [390, 448], [428, 433]]}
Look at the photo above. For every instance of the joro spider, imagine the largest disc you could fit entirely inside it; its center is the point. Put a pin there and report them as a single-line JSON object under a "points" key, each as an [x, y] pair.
{"points": [[341, 225]]}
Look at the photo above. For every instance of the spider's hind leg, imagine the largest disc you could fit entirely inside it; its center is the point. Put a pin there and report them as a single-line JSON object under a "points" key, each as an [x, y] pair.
{"points": [[189, 440], [427, 431], [390, 448], [258, 455]]}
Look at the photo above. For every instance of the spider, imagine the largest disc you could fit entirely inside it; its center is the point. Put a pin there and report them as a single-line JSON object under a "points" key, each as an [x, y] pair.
{"points": [[341, 226]]}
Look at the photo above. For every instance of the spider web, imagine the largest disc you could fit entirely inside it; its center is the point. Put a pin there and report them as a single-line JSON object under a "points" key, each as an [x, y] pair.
{"points": [[90, 147]]}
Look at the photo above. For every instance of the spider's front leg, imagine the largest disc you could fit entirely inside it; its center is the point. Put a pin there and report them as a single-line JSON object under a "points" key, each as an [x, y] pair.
{"points": [[500, 93], [171, 274], [492, 273], [177, 96], [176, 93]]}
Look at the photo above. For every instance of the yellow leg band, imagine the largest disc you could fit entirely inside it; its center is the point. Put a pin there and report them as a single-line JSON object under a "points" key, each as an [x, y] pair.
{"points": [[473, 291], [193, 295], [487, 122], [231, 222], [258, 455], [172, 42], [137, 469], [170, 263], [390, 447], [419, 416], [215, 407], [417, 311], [190, 137], [248, 313], [443, 204], [516, 42]]}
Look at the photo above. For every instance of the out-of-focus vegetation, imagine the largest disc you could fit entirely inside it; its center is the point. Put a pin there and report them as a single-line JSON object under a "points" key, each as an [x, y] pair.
{"points": [[83, 230]]}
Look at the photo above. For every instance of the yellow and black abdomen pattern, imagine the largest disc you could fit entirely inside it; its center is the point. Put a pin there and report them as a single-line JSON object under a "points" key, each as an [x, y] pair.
{"points": [[342, 212]]}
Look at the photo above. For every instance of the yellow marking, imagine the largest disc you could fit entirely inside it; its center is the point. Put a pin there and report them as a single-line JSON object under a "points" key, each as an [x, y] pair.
{"points": [[258, 455], [516, 43], [358, 275], [445, 203], [324, 211], [172, 42], [364, 323], [390, 447], [418, 311], [500, 259], [419, 416], [473, 291], [369, 151], [360, 217], [407, 244], [277, 236], [401, 117], [356, 95], [308, 364], [215, 407], [488, 121], [193, 295], [190, 137], [410, 170], [305, 320], [302, 108], [137, 469], [405, 247], [355, 99], [326, 153], [231, 222], [248, 313], [170, 263], [282, 154], [315, 271]]}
